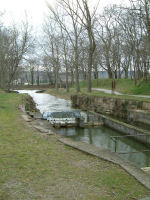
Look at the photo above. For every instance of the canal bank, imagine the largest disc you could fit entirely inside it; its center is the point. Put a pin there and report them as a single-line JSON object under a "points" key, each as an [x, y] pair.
{"points": [[117, 107], [37, 166], [102, 137], [129, 110], [44, 128], [137, 179], [140, 135]]}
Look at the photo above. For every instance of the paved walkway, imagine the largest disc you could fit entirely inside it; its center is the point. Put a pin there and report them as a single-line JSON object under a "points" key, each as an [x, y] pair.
{"points": [[107, 91], [118, 93]]}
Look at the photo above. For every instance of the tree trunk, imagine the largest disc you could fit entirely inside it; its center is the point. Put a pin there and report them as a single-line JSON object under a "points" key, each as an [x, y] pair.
{"points": [[92, 47], [110, 73], [72, 77], [32, 77], [76, 69], [38, 79], [89, 86], [126, 73]]}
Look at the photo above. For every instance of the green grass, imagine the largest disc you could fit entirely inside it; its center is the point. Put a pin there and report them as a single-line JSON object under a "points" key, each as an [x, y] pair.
{"points": [[125, 86], [61, 93], [102, 94], [1, 91], [122, 85], [34, 166], [142, 88]]}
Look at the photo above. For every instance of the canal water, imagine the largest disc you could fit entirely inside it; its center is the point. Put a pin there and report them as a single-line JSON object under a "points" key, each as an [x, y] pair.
{"points": [[48, 103], [127, 148]]}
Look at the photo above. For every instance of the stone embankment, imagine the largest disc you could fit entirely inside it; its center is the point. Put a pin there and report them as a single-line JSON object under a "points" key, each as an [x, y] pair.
{"points": [[127, 109], [30, 105], [129, 130]]}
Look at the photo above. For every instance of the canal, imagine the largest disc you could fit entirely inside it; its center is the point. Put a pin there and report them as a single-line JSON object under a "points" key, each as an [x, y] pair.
{"points": [[127, 148]]}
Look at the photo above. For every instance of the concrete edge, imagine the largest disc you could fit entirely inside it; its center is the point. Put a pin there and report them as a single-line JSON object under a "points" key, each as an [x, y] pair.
{"points": [[106, 155], [43, 130], [147, 198], [127, 125], [121, 122]]}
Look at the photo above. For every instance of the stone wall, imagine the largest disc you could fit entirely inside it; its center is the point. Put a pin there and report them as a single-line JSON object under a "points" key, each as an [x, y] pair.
{"points": [[106, 105], [139, 116], [138, 134]]}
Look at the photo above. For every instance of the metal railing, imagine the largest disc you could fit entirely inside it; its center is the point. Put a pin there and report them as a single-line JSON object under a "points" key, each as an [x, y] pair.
{"points": [[115, 140]]}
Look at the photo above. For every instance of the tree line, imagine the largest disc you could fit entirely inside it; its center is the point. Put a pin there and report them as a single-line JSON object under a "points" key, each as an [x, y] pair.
{"points": [[80, 40]]}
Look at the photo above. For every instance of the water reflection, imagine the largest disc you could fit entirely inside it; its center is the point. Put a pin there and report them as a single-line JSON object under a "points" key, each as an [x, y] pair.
{"points": [[100, 137]]}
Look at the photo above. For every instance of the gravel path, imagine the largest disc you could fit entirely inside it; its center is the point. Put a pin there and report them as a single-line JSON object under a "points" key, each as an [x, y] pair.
{"points": [[118, 93]]}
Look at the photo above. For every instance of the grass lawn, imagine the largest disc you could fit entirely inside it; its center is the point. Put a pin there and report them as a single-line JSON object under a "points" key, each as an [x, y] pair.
{"points": [[122, 85], [142, 88], [38, 167], [125, 86]]}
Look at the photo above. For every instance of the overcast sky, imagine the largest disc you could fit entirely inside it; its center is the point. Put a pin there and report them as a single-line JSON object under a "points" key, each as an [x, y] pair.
{"points": [[36, 9]]}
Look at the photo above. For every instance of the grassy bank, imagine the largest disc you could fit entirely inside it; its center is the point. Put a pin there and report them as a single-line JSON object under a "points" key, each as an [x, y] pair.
{"points": [[142, 88], [61, 93], [34, 166], [125, 86], [122, 85]]}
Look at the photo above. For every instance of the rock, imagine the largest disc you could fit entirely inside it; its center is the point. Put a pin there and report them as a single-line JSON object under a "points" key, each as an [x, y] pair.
{"points": [[37, 115], [146, 169], [26, 118]]}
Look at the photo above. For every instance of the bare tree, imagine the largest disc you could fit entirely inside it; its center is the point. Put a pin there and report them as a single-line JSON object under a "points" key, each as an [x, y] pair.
{"points": [[121, 35], [74, 34], [141, 8], [15, 43], [87, 20]]}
